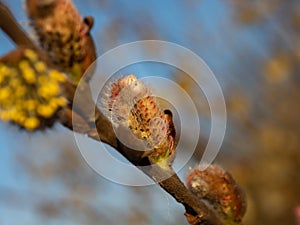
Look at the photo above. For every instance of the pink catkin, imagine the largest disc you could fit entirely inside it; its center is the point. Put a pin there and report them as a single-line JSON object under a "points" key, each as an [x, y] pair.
{"points": [[129, 102]]}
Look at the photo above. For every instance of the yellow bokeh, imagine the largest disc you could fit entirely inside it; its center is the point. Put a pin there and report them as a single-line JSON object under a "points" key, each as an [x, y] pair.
{"points": [[20, 91], [49, 90], [57, 76], [29, 75], [30, 104], [31, 55], [4, 70], [15, 82], [46, 110], [31, 123], [58, 102], [43, 79], [40, 67], [5, 92]]}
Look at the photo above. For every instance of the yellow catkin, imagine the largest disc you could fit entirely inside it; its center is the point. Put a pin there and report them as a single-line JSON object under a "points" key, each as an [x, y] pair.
{"points": [[4, 70], [29, 75], [20, 91], [30, 104], [43, 79], [4, 115], [45, 111], [31, 55], [23, 64], [40, 67], [20, 119], [57, 76], [31, 123], [2, 78], [60, 101], [13, 114], [48, 91], [3, 73], [52, 89], [29, 91], [15, 82], [4, 93]]}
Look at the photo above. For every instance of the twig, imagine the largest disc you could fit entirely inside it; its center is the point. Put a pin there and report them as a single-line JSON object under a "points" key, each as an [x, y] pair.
{"points": [[11, 27]]}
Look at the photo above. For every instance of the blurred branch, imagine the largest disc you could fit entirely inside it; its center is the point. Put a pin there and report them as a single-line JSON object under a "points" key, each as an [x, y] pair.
{"points": [[82, 120], [11, 27]]}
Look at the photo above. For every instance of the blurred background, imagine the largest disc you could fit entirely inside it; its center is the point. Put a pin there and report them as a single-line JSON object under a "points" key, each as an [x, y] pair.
{"points": [[253, 48]]}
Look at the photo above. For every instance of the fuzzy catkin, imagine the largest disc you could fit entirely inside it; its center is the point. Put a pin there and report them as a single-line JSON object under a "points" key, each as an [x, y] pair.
{"points": [[129, 102], [219, 188]]}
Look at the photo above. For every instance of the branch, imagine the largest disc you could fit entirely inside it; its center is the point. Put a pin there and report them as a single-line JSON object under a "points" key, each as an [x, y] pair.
{"points": [[11, 27]]}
